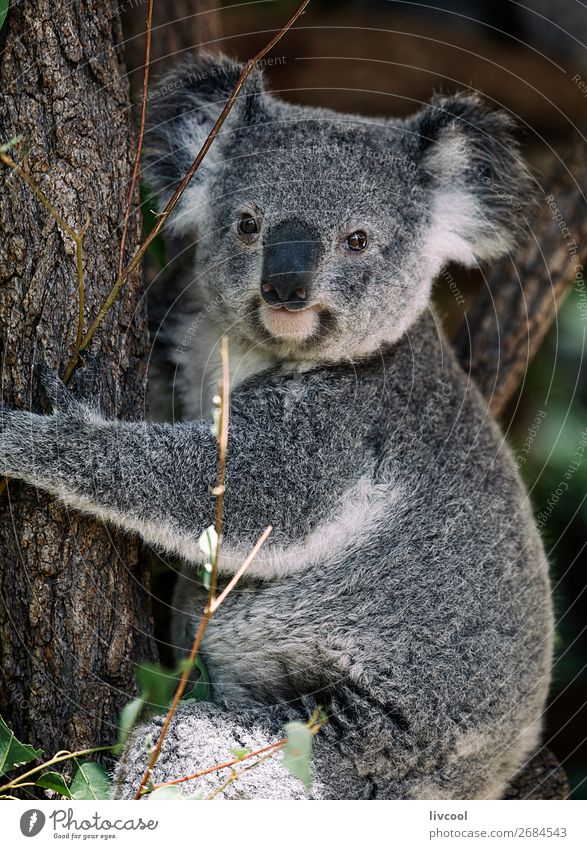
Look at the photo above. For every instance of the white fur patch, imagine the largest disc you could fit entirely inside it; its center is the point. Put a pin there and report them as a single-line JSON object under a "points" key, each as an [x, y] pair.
{"points": [[454, 218], [353, 523], [283, 324], [200, 369]]}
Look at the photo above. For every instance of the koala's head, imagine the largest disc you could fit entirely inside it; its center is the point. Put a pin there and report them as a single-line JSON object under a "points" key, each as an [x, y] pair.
{"points": [[319, 235]]}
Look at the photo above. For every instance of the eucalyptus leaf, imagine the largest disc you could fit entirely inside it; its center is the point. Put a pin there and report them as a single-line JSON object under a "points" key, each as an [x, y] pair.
{"points": [[12, 751], [165, 793], [90, 781], [208, 543], [297, 754], [3, 11], [156, 685], [128, 719], [240, 753], [54, 781], [202, 689], [196, 795]]}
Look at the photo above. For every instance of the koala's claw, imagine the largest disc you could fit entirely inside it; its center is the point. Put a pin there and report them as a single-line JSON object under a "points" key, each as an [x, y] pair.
{"points": [[56, 391], [86, 380]]}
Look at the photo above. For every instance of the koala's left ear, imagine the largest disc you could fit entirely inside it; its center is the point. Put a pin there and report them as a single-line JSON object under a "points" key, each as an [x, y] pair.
{"points": [[481, 191], [182, 109]]}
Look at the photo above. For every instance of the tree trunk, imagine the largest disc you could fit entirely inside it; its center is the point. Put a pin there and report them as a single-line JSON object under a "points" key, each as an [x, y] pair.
{"points": [[74, 594], [508, 323]]}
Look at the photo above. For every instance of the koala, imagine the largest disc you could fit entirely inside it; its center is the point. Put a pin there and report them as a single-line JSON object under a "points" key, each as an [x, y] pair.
{"points": [[404, 588]]}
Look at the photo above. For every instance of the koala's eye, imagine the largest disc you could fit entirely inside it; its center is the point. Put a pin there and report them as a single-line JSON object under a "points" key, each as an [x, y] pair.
{"points": [[247, 225], [356, 241]]}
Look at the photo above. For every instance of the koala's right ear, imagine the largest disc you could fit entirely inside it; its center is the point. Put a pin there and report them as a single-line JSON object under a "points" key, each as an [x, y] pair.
{"points": [[480, 189], [181, 110]]}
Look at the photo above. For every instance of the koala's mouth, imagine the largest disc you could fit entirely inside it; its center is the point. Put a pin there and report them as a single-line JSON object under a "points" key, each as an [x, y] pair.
{"points": [[293, 323]]}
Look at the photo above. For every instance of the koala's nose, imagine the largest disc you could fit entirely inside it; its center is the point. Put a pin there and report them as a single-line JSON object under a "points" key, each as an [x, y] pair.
{"points": [[290, 257]]}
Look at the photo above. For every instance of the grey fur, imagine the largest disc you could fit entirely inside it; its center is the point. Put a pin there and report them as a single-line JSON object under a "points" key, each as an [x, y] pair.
{"points": [[405, 586]]}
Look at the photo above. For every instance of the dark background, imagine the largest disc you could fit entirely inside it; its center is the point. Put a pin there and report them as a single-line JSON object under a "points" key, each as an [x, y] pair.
{"points": [[385, 58]]}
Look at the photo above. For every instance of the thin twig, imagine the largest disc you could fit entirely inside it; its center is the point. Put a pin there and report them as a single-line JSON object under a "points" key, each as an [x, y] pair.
{"points": [[79, 254], [218, 490], [236, 774], [217, 767], [212, 604], [140, 138], [241, 570], [162, 218], [58, 758]]}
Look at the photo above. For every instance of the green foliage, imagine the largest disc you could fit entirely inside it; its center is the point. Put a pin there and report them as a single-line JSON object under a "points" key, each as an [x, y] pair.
{"points": [[202, 689], [156, 688], [90, 781], [128, 719], [148, 209], [4, 148], [164, 793], [239, 754], [56, 782], [3, 11], [297, 754], [174, 793], [157, 685], [12, 752]]}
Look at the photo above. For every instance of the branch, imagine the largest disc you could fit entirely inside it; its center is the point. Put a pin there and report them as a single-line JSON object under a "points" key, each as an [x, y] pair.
{"points": [[78, 241], [140, 138], [212, 603], [56, 759], [506, 326], [122, 278], [314, 724]]}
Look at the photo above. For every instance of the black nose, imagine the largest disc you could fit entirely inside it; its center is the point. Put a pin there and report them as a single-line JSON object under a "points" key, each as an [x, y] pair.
{"points": [[290, 257]]}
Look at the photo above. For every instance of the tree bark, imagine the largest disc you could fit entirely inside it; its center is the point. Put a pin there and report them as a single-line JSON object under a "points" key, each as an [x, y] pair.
{"points": [[509, 321], [73, 594]]}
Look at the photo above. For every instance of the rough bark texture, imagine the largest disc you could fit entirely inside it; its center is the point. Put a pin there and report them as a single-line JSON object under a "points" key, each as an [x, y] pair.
{"points": [[507, 325], [74, 607]]}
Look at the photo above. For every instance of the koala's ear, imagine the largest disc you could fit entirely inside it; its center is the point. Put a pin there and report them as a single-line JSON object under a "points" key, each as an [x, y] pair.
{"points": [[481, 191], [182, 108]]}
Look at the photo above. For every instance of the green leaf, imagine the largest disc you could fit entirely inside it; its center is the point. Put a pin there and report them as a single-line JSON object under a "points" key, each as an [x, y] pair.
{"points": [[3, 11], [165, 793], [208, 543], [90, 781], [240, 753], [205, 575], [4, 148], [297, 754], [128, 719], [148, 209], [156, 684], [197, 794], [54, 781], [202, 689], [12, 751]]}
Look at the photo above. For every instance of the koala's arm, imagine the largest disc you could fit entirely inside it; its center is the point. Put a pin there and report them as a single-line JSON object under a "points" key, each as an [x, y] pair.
{"points": [[153, 479], [156, 479], [202, 735]]}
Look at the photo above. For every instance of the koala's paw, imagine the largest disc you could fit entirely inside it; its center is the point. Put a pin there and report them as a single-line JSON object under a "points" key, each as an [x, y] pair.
{"points": [[200, 736], [16, 440], [84, 393]]}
